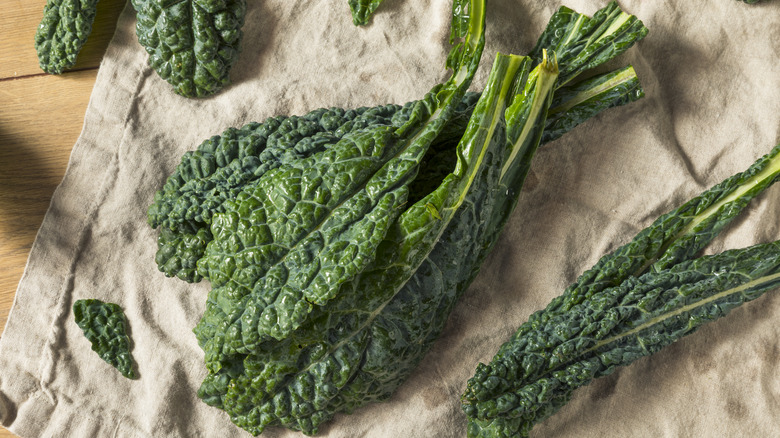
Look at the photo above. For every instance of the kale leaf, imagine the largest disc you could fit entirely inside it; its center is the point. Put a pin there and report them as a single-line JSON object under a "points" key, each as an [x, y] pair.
{"points": [[633, 302], [64, 29], [192, 44], [105, 326]]}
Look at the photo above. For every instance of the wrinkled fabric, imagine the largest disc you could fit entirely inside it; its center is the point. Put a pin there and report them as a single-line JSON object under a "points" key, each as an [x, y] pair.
{"points": [[712, 84]]}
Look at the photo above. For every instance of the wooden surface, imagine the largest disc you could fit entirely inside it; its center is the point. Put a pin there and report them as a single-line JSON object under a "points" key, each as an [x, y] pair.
{"points": [[40, 119]]}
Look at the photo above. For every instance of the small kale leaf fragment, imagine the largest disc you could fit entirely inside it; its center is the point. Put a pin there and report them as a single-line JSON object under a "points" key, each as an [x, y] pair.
{"points": [[192, 44], [607, 34], [362, 10], [645, 295], [105, 325], [64, 29]]}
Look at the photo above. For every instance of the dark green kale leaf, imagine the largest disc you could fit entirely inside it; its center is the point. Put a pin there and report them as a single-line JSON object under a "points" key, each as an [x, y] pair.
{"points": [[617, 327], [192, 44], [362, 10], [634, 301], [105, 326], [621, 325], [424, 287], [64, 29], [222, 166]]}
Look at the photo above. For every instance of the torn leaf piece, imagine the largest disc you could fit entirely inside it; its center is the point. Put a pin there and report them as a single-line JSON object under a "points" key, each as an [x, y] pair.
{"points": [[64, 29], [192, 44], [104, 324], [362, 10]]}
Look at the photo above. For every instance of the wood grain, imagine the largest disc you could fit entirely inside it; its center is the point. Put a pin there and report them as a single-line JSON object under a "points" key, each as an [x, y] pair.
{"points": [[40, 119], [19, 20]]}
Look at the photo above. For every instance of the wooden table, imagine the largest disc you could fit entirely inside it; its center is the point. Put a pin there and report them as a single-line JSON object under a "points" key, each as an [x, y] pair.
{"points": [[40, 119]]}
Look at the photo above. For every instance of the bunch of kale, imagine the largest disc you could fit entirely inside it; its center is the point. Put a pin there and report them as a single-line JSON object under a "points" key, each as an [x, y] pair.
{"points": [[337, 243]]}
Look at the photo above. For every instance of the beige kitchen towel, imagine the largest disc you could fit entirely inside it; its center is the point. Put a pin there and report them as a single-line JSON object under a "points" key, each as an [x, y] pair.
{"points": [[712, 79]]}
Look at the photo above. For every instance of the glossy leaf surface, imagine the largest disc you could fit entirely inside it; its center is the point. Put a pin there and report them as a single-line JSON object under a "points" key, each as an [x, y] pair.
{"points": [[64, 29], [105, 326]]}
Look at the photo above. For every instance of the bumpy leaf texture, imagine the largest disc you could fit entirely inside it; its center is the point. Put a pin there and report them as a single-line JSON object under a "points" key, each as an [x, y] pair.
{"points": [[633, 302], [64, 29], [105, 326], [287, 346], [362, 10], [192, 44]]}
